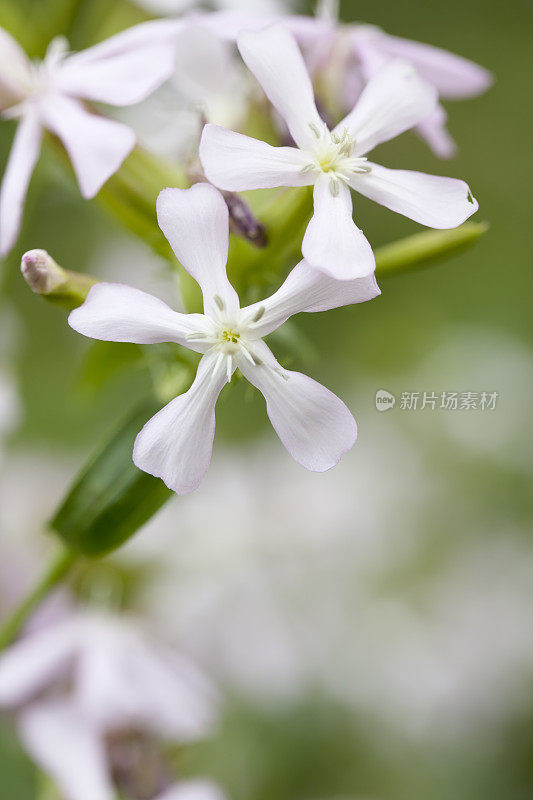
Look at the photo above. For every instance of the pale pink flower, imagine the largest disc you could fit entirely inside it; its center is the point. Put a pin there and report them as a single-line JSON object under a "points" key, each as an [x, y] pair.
{"points": [[120, 71], [356, 51], [78, 684], [175, 445], [334, 161]]}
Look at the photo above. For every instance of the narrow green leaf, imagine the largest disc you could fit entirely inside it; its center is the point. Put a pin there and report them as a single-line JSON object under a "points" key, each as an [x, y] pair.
{"points": [[111, 499], [425, 248]]}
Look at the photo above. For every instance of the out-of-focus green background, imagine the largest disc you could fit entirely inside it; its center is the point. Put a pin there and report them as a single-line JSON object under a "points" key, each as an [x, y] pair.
{"points": [[462, 325]]}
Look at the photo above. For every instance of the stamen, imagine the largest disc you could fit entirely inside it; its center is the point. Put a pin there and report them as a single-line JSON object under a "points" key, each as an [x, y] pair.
{"points": [[198, 336], [334, 186], [315, 130], [308, 168], [219, 301], [247, 354], [257, 361]]}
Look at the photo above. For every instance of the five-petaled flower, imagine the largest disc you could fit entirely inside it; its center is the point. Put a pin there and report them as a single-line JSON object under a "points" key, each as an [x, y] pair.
{"points": [[314, 425], [120, 71], [351, 53], [394, 100]]}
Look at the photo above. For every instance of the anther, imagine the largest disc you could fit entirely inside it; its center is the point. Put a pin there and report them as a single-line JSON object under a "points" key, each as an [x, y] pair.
{"points": [[219, 301], [259, 313], [314, 129], [334, 187]]}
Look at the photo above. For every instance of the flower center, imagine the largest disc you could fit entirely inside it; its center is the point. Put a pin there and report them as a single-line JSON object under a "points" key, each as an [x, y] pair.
{"points": [[333, 155], [229, 337]]}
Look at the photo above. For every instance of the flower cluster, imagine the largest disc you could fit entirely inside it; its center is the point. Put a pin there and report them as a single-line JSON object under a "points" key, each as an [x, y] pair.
{"points": [[289, 109], [401, 86]]}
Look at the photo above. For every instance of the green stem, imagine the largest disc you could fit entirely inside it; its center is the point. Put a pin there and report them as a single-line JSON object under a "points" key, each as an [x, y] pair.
{"points": [[53, 576], [425, 248]]}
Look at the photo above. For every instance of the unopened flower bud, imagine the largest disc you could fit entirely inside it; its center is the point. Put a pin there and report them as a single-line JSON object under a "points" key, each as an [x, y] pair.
{"points": [[52, 282], [41, 272]]}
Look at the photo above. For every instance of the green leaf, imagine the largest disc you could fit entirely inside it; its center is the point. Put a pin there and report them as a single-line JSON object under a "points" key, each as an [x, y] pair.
{"points": [[111, 499], [426, 248]]}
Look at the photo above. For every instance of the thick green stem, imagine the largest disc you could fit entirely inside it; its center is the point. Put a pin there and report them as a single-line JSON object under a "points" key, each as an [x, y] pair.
{"points": [[53, 576]]}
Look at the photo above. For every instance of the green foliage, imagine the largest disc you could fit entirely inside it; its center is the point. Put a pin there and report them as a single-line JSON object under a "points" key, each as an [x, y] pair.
{"points": [[427, 248], [111, 499], [18, 777]]}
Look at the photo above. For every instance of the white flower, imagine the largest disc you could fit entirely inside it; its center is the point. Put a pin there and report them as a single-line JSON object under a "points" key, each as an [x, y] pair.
{"points": [[334, 161], [102, 677], [121, 71], [352, 53], [313, 424]]}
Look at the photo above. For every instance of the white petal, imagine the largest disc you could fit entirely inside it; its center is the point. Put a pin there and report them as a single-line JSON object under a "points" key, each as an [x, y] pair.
{"points": [[314, 424], [236, 163], [103, 690], [192, 790], [196, 223], [67, 748], [22, 159], [122, 70], [176, 700], [113, 312], [455, 77], [146, 34], [307, 289], [393, 101], [176, 444], [275, 59], [428, 199], [332, 242], [433, 130], [15, 75], [97, 146], [36, 661]]}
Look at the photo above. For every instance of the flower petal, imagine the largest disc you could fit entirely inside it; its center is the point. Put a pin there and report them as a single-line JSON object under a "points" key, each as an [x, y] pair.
{"points": [[21, 163], [276, 61], [314, 424], [67, 748], [332, 242], [175, 699], [236, 163], [192, 790], [393, 101], [124, 69], [433, 130], [307, 289], [15, 77], [176, 444], [34, 662], [114, 312], [454, 77], [97, 146], [428, 199], [196, 223]]}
